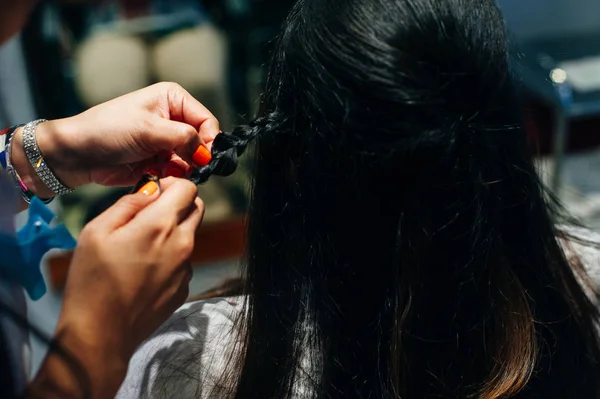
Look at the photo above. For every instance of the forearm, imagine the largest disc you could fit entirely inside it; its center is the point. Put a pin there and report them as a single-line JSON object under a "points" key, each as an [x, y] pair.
{"points": [[76, 369], [58, 379]]}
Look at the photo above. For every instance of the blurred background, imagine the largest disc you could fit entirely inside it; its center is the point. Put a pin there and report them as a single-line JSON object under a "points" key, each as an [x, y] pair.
{"points": [[76, 54]]}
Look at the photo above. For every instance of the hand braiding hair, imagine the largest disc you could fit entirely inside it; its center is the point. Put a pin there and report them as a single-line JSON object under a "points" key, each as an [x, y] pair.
{"points": [[227, 147]]}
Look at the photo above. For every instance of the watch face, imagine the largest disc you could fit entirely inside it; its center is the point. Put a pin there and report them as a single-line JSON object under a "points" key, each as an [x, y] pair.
{"points": [[9, 205]]}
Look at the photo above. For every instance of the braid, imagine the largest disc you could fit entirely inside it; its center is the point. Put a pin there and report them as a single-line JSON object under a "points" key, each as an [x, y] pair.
{"points": [[227, 147]]}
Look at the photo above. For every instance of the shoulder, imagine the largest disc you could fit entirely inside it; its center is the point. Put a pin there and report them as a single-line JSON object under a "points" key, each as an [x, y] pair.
{"points": [[188, 352]]}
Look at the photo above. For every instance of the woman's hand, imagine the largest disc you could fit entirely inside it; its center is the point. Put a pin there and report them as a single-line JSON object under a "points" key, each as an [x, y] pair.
{"points": [[114, 143], [129, 273]]}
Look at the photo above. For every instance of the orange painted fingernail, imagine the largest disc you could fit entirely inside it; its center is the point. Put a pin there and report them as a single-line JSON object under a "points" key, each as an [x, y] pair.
{"points": [[149, 188], [202, 156], [174, 172]]}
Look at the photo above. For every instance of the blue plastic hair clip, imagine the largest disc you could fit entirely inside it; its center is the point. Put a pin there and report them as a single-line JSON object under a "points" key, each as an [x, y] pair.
{"points": [[23, 253]]}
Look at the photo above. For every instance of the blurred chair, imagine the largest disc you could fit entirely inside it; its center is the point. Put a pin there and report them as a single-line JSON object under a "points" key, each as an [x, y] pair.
{"points": [[126, 54], [201, 69], [108, 66]]}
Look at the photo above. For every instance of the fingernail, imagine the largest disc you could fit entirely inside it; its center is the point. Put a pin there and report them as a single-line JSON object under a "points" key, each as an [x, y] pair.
{"points": [[174, 172], [202, 156], [149, 188], [153, 172]]}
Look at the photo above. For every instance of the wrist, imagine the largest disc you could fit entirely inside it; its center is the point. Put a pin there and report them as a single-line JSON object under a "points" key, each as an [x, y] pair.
{"points": [[24, 169], [54, 139]]}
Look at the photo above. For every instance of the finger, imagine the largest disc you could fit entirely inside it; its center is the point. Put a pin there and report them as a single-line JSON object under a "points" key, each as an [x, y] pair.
{"points": [[163, 156], [183, 239], [187, 271], [190, 224], [124, 210], [172, 206], [179, 280], [167, 183], [178, 137], [122, 175], [157, 164], [181, 295], [202, 156], [185, 108], [173, 169], [208, 131], [176, 167]]}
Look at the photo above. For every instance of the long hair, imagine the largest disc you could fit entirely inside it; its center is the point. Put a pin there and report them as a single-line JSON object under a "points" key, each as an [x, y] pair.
{"points": [[400, 241]]}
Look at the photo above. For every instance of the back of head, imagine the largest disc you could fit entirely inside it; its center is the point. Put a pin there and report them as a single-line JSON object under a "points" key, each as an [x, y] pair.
{"points": [[400, 241]]}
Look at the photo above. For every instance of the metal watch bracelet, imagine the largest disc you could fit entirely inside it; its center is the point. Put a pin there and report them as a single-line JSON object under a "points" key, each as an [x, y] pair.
{"points": [[36, 159], [26, 194]]}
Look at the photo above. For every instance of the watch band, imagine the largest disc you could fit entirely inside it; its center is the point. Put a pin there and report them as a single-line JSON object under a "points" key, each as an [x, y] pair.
{"points": [[5, 160], [36, 159]]}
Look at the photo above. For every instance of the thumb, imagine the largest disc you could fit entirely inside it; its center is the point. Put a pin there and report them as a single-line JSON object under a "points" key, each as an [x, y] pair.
{"points": [[125, 209], [172, 136]]}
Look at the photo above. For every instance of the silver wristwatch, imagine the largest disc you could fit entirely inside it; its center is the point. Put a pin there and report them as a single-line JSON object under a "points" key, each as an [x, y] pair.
{"points": [[36, 158]]}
